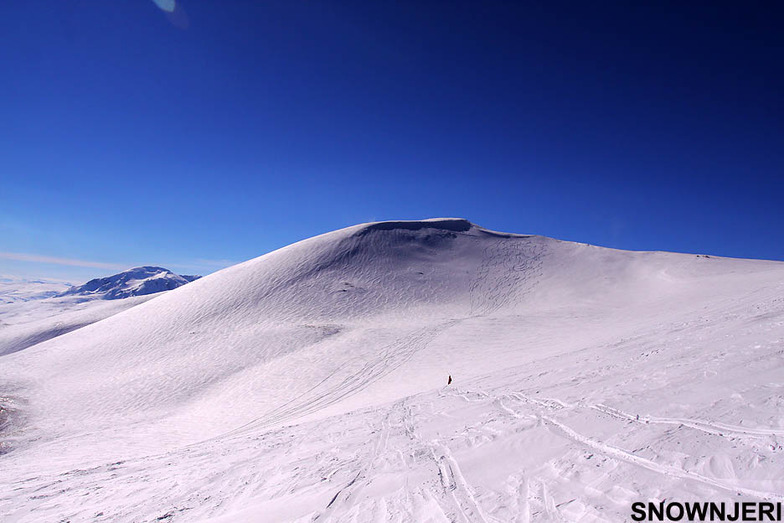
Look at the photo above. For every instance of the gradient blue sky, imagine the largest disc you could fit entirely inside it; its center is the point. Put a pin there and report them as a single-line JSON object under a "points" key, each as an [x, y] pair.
{"points": [[228, 129]]}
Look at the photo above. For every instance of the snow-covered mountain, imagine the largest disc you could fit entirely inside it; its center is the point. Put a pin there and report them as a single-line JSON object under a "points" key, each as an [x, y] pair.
{"points": [[138, 281], [32, 312], [310, 384]]}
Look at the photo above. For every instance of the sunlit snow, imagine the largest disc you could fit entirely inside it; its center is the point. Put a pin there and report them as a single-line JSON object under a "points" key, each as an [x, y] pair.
{"points": [[311, 384]]}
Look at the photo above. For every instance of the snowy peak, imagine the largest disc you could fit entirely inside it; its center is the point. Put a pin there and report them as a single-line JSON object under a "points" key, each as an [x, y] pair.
{"points": [[138, 281], [446, 227], [447, 224]]}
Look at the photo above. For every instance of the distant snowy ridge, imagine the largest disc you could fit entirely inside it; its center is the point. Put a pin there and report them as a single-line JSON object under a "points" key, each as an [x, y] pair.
{"points": [[138, 281]]}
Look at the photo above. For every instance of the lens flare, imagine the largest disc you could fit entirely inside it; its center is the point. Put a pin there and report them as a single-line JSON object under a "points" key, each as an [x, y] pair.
{"points": [[166, 5]]}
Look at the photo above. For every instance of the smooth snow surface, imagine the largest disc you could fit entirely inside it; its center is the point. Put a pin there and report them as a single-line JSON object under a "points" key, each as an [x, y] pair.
{"points": [[310, 384]]}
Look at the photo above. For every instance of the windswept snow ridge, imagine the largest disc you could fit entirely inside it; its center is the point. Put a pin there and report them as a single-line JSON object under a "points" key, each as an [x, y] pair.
{"points": [[309, 384]]}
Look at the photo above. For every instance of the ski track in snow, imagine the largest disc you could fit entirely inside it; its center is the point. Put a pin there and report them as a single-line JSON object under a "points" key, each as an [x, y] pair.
{"points": [[568, 406], [647, 464], [705, 426], [434, 483]]}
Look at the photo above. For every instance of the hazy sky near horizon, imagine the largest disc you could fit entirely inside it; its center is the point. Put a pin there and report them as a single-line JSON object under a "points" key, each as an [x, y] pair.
{"points": [[220, 131]]}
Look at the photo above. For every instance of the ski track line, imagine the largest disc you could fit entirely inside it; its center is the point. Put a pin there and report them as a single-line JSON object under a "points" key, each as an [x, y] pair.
{"points": [[360, 481], [455, 484], [547, 403], [721, 429], [666, 470], [457, 492], [524, 493], [549, 506], [457, 497], [391, 358], [465, 395], [517, 494]]}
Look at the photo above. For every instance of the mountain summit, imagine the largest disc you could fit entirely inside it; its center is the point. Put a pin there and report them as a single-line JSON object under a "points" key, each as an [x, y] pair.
{"points": [[133, 282]]}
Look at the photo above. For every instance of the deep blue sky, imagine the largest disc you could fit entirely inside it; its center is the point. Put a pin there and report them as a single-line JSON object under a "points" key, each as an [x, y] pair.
{"points": [[132, 136]]}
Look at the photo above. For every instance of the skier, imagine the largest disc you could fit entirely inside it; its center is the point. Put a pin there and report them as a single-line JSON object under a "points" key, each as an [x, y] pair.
{"points": [[449, 381]]}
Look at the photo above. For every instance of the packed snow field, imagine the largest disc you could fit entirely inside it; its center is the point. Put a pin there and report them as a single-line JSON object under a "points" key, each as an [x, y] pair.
{"points": [[310, 385]]}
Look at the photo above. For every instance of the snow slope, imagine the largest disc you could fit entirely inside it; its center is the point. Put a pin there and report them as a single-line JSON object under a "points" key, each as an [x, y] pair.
{"points": [[309, 384]]}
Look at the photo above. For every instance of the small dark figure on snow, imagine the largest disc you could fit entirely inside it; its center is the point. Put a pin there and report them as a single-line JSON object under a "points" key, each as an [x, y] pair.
{"points": [[449, 381]]}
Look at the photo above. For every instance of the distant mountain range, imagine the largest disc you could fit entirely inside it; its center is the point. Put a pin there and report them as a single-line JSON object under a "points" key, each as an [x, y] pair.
{"points": [[138, 281]]}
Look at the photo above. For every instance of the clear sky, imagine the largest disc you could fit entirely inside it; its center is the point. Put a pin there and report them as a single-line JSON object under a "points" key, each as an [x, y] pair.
{"points": [[226, 129]]}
